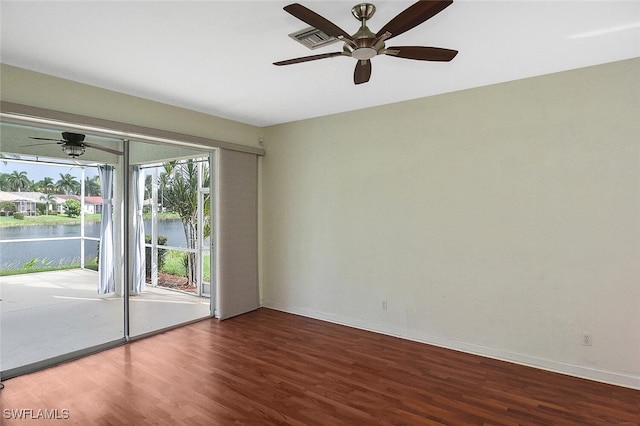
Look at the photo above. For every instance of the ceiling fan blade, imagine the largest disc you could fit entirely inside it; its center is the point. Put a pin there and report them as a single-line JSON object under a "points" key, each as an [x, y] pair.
{"points": [[309, 58], [362, 73], [413, 16], [35, 144], [316, 21], [422, 53], [46, 139], [101, 148]]}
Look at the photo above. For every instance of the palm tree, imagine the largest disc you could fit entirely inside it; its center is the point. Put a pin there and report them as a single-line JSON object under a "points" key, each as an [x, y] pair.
{"points": [[18, 181], [181, 192], [68, 184], [163, 182], [92, 186], [33, 186], [4, 182], [148, 187], [48, 199], [46, 185]]}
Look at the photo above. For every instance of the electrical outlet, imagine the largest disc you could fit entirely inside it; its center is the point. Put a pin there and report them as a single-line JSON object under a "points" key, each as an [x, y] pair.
{"points": [[586, 340], [384, 305]]}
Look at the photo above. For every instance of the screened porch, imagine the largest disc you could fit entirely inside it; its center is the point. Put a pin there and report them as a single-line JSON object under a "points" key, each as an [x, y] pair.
{"points": [[48, 314]]}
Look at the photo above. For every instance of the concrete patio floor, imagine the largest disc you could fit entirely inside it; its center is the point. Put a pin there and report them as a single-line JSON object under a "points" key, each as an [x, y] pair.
{"points": [[47, 314]]}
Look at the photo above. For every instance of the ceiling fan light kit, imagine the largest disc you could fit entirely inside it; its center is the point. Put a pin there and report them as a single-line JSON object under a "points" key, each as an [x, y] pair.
{"points": [[73, 151], [364, 44]]}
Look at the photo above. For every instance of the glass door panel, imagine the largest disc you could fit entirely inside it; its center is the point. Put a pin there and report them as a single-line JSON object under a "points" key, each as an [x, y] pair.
{"points": [[174, 178], [49, 301], [205, 231]]}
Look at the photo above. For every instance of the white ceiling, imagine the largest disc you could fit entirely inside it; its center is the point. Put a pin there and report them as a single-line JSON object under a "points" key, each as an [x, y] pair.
{"points": [[216, 57]]}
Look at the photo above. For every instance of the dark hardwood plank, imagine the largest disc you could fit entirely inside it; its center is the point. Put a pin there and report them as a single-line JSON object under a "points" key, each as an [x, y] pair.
{"points": [[268, 367]]}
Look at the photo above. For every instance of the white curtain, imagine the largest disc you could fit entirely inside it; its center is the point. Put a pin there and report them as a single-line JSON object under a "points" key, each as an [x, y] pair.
{"points": [[106, 270], [138, 267]]}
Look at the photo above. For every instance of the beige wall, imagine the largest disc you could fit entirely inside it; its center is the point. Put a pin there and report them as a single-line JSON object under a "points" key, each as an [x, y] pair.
{"points": [[39, 90], [501, 220]]}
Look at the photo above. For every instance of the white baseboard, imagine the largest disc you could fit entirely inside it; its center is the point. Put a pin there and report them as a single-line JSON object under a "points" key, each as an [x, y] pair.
{"points": [[583, 372]]}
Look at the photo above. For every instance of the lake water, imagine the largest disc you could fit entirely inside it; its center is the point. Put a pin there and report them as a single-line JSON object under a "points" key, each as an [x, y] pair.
{"points": [[14, 255]]}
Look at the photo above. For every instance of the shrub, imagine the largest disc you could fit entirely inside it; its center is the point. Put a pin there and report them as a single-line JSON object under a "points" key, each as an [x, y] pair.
{"points": [[162, 253], [72, 208], [174, 263], [7, 208], [41, 208], [18, 215], [93, 265]]}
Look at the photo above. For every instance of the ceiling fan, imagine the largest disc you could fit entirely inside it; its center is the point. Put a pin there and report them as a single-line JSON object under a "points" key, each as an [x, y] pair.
{"points": [[73, 144], [364, 44]]}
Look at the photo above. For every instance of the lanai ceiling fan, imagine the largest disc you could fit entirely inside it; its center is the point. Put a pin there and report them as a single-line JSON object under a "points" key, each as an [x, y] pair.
{"points": [[73, 144], [364, 44]]}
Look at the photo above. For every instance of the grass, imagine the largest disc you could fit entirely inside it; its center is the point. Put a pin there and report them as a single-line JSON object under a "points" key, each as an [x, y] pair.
{"points": [[174, 264], [31, 270], [7, 221], [162, 216]]}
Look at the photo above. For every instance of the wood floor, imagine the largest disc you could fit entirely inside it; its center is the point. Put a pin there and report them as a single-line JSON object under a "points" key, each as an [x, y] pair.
{"points": [[268, 367]]}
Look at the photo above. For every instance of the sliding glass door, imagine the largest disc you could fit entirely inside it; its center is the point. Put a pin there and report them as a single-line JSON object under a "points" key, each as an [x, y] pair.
{"points": [[51, 209], [177, 221], [101, 239]]}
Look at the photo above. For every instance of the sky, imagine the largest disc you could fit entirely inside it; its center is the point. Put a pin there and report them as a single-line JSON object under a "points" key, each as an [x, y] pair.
{"points": [[37, 172]]}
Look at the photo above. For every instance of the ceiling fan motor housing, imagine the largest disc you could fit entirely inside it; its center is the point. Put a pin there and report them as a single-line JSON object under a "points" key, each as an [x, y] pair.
{"points": [[73, 137]]}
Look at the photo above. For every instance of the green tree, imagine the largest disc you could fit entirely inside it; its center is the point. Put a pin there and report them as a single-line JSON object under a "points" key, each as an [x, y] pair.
{"points": [[7, 208], [41, 208], [163, 181], [49, 199], [92, 186], [33, 186], [72, 208], [18, 181], [181, 193], [4, 182], [68, 184], [148, 187], [46, 185]]}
